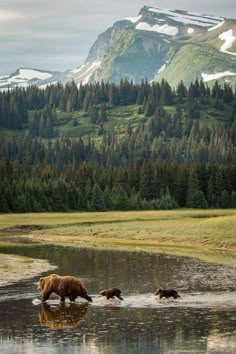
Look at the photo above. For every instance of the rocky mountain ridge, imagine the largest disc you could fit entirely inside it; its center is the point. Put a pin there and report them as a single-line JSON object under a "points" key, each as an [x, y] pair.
{"points": [[157, 43]]}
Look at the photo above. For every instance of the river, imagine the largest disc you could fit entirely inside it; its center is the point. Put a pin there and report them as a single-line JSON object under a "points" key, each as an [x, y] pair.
{"points": [[202, 320]]}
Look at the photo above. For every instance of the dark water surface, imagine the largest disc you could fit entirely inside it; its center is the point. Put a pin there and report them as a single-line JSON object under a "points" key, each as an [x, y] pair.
{"points": [[203, 320]]}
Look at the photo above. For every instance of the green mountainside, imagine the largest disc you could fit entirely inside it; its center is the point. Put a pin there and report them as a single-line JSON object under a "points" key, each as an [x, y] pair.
{"points": [[77, 123], [117, 147], [119, 118], [174, 45], [158, 43]]}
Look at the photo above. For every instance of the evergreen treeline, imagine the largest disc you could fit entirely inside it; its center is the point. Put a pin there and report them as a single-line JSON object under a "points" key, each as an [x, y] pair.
{"points": [[178, 136], [150, 185], [171, 161], [94, 99]]}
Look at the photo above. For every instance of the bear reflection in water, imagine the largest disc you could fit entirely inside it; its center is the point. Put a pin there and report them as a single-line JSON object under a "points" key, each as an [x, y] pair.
{"points": [[62, 316]]}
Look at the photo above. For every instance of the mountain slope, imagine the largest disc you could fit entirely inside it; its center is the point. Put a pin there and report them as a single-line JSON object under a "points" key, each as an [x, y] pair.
{"points": [[166, 44], [156, 44]]}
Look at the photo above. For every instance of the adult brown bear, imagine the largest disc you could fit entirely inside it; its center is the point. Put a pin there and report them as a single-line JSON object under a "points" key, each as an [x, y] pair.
{"points": [[63, 286], [167, 293], [110, 293]]}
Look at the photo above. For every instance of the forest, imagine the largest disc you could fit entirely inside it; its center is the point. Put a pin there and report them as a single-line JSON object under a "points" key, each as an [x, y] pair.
{"points": [[180, 154]]}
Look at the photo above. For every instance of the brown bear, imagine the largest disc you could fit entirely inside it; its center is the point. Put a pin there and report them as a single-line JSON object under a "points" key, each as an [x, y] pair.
{"points": [[110, 293], [63, 316], [63, 286], [167, 293]]}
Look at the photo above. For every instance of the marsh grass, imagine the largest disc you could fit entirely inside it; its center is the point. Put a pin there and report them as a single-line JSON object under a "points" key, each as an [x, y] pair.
{"points": [[209, 235], [208, 228]]}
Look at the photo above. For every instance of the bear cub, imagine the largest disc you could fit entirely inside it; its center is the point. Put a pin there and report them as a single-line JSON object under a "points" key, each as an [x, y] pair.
{"points": [[167, 293], [110, 293]]}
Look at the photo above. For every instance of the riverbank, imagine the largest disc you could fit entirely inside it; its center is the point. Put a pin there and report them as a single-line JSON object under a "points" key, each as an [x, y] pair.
{"points": [[186, 230], [15, 268]]}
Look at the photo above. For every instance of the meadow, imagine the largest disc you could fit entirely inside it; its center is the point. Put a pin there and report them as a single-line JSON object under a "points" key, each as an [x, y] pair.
{"points": [[183, 231]]}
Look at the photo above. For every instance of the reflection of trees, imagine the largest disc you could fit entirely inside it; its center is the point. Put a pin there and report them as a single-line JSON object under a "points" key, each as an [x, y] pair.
{"points": [[221, 343], [133, 272], [122, 329], [63, 316], [151, 330]]}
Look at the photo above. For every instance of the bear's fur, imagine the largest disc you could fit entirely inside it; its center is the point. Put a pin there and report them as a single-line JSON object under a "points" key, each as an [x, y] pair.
{"points": [[110, 293], [167, 293], [63, 286], [64, 316]]}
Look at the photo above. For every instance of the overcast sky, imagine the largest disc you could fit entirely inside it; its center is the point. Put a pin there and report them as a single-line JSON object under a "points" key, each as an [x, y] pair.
{"points": [[57, 35]]}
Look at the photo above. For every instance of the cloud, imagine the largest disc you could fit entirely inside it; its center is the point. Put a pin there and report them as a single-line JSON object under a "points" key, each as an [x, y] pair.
{"points": [[47, 33], [8, 16]]}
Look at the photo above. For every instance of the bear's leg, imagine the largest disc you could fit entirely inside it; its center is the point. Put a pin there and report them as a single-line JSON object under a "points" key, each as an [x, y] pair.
{"points": [[72, 298], [46, 295], [62, 298], [87, 297], [119, 297]]}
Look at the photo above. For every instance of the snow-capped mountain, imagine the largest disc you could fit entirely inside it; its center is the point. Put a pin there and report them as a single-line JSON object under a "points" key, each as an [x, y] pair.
{"points": [[160, 43], [24, 77], [155, 44]]}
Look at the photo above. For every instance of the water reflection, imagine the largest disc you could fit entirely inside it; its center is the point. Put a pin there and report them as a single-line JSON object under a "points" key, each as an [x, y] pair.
{"points": [[62, 316]]}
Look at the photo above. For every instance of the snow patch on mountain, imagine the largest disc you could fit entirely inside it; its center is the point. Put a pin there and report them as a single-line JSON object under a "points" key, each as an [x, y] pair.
{"points": [[48, 84], [229, 39], [83, 73], [24, 77], [133, 19], [206, 16], [4, 77], [3, 83], [197, 20], [217, 26], [210, 77], [29, 74], [190, 30], [164, 29], [162, 68], [76, 70]]}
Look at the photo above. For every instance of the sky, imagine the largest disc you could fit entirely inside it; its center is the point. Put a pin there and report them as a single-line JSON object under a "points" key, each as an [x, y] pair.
{"points": [[57, 34]]}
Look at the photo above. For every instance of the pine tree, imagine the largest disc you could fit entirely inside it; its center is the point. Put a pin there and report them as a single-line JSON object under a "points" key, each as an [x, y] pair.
{"points": [[103, 113], [97, 198], [195, 197]]}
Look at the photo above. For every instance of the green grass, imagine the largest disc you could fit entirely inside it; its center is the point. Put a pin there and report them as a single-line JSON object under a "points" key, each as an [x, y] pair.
{"points": [[196, 58], [118, 120], [209, 229]]}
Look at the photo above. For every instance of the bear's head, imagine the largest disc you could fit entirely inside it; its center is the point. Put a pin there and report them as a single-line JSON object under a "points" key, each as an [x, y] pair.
{"points": [[158, 291], [41, 284], [103, 292]]}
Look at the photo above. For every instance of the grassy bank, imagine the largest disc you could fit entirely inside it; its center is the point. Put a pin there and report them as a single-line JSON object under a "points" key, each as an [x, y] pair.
{"points": [[206, 229]]}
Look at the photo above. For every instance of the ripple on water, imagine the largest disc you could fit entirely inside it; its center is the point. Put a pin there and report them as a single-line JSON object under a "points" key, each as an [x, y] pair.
{"points": [[217, 300]]}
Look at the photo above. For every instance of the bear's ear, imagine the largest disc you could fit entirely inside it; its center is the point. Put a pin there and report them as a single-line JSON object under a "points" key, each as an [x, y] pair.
{"points": [[41, 279]]}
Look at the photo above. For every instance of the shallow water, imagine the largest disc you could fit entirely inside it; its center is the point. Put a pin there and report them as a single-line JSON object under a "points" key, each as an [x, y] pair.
{"points": [[202, 320]]}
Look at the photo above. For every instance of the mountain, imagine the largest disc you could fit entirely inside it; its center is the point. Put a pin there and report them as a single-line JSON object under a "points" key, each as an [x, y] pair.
{"points": [[159, 43], [24, 77]]}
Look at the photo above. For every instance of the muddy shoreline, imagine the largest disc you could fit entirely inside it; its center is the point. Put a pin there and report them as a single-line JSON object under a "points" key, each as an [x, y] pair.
{"points": [[15, 268]]}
